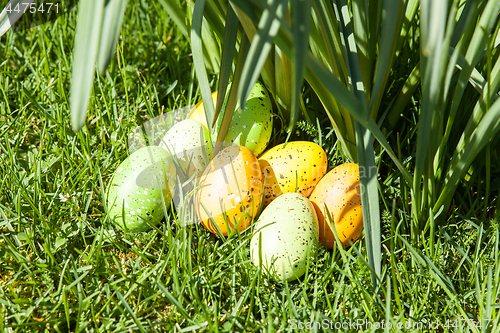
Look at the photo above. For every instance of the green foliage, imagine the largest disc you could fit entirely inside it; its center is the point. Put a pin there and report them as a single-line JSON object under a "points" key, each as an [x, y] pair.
{"points": [[421, 79]]}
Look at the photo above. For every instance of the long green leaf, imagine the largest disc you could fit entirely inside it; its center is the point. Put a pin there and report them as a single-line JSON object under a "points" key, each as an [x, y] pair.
{"points": [[249, 21], [88, 31], [261, 46], [325, 37], [232, 100], [360, 25], [467, 150], [433, 21], [175, 302], [211, 46], [327, 46], [177, 15], [229, 45], [473, 54], [370, 200], [366, 157], [215, 18], [404, 96], [301, 26], [130, 311], [199, 62], [323, 81], [110, 31], [393, 16]]}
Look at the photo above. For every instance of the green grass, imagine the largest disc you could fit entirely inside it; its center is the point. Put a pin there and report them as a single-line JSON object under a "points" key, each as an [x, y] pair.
{"points": [[63, 267]]}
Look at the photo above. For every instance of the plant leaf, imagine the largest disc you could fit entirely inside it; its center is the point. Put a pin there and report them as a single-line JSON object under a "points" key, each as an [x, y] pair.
{"points": [[467, 150], [393, 15], [88, 30], [301, 27], [432, 25], [175, 302], [249, 21], [229, 45], [366, 156], [177, 15], [232, 100], [130, 311], [261, 45], [199, 62], [110, 31]]}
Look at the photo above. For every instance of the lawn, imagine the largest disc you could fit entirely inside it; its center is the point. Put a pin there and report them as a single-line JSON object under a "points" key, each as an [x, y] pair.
{"points": [[65, 268]]}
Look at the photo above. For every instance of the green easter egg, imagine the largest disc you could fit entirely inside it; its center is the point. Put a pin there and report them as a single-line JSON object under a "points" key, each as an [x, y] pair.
{"points": [[252, 126], [138, 188]]}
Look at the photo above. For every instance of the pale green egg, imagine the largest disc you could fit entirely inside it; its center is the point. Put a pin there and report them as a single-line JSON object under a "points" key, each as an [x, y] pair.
{"points": [[285, 236], [252, 126], [139, 188], [189, 143]]}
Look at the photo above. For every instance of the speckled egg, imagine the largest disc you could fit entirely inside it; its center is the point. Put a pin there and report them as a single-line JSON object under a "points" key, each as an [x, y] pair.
{"points": [[251, 127], [292, 167], [287, 230], [137, 189], [198, 112], [189, 143], [339, 191], [230, 190]]}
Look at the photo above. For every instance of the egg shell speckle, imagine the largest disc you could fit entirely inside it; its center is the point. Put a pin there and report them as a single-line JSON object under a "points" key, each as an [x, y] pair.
{"points": [[230, 190], [189, 142], [339, 191], [292, 167], [285, 231], [136, 189]]}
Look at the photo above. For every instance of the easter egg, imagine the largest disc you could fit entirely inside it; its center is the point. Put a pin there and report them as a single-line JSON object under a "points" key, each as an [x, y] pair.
{"points": [[285, 234], [339, 191], [230, 191], [198, 112], [252, 126], [189, 143], [138, 188], [292, 167]]}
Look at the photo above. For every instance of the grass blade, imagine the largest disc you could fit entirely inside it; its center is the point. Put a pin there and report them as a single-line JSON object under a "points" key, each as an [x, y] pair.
{"points": [[473, 54], [326, 39], [301, 26], [88, 30], [177, 15], [328, 85], [261, 46], [229, 45], [327, 46], [249, 21], [110, 31], [364, 36], [467, 150], [174, 302], [366, 157], [199, 62], [404, 96], [370, 200], [130, 311], [232, 100], [393, 15], [434, 16]]}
